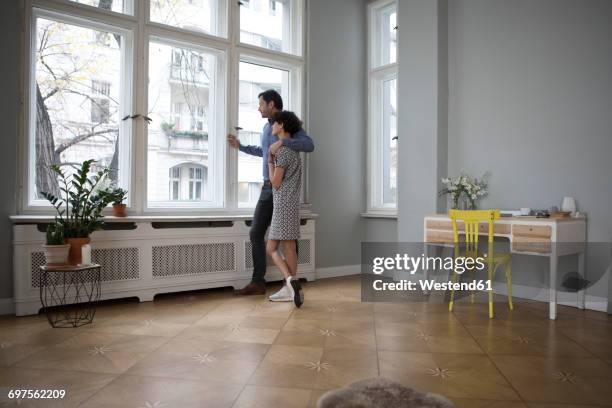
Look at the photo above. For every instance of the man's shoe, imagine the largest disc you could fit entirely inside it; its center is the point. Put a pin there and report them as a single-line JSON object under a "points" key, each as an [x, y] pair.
{"points": [[253, 288], [282, 295]]}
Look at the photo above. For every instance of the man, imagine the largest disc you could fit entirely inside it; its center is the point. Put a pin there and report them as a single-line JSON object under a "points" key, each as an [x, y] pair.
{"points": [[270, 102]]}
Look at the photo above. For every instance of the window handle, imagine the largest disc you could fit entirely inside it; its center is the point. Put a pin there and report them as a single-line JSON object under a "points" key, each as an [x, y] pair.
{"points": [[136, 116], [237, 128]]}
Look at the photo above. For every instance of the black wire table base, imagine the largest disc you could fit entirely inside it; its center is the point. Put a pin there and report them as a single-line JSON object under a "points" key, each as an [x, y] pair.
{"points": [[70, 294]]}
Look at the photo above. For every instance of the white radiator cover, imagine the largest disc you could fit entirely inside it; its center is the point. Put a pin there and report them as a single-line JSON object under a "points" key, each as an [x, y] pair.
{"points": [[146, 261]]}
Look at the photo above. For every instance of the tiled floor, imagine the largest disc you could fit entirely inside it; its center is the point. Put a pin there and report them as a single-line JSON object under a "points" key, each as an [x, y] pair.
{"points": [[211, 349]]}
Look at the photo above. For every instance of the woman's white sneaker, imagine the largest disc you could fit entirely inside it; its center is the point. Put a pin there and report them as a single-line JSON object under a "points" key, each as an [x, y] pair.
{"points": [[283, 295]]}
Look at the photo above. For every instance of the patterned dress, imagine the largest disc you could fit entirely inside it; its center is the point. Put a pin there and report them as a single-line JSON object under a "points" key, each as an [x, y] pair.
{"points": [[286, 214]]}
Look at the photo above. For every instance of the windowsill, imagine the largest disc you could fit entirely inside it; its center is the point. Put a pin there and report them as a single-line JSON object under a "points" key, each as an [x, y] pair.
{"points": [[29, 219], [387, 215]]}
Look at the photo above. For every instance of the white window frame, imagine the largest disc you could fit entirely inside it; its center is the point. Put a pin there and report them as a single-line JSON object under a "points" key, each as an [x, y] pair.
{"points": [[137, 29], [27, 191], [377, 76]]}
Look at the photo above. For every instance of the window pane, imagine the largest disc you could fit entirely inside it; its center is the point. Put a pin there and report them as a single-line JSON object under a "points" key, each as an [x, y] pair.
{"points": [[389, 36], [254, 79], [389, 142], [266, 23], [77, 103], [178, 136], [118, 6], [196, 15]]}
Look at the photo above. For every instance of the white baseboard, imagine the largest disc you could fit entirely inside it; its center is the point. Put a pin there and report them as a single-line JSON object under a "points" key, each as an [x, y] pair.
{"points": [[335, 271], [7, 306], [596, 303]]}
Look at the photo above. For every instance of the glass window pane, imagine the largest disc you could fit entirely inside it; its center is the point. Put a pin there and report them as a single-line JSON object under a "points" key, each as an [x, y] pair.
{"points": [[78, 102], [178, 136], [266, 23], [254, 79], [389, 142], [118, 6], [195, 15], [389, 36]]}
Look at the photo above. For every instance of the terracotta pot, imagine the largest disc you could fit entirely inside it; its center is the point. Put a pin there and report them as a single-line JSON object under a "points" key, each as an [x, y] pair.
{"points": [[56, 255], [119, 210], [75, 255]]}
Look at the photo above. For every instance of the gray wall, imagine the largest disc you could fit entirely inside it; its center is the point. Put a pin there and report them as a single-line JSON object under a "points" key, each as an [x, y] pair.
{"points": [[9, 112], [337, 122], [379, 230], [531, 101], [422, 90]]}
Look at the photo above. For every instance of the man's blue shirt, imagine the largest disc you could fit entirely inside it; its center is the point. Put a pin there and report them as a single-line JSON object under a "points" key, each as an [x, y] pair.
{"points": [[300, 142]]}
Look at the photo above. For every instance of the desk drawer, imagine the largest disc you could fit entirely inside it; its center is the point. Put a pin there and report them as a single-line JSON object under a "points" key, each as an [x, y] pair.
{"points": [[530, 244], [440, 237], [442, 225], [540, 231], [498, 229]]}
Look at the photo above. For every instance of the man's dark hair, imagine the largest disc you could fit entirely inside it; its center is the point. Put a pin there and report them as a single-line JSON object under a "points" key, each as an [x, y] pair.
{"points": [[272, 95], [291, 123]]}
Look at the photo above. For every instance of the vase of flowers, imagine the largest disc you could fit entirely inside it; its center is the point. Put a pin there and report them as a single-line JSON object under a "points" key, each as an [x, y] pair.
{"points": [[465, 191]]}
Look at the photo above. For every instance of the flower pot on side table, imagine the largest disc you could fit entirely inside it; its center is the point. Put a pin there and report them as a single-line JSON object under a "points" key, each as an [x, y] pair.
{"points": [[56, 255], [76, 244]]}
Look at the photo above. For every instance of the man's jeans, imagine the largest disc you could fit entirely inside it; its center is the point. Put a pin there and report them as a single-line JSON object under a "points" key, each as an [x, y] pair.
{"points": [[261, 221]]}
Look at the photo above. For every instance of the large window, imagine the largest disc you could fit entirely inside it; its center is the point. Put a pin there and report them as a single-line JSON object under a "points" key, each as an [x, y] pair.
{"points": [[151, 88], [76, 100], [254, 79], [382, 115]]}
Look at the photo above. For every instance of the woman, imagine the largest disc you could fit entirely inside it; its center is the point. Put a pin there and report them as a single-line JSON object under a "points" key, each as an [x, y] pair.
{"points": [[285, 170]]}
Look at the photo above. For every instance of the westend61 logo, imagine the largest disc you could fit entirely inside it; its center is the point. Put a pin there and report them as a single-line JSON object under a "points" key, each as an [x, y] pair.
{"points": [[413, 264]]}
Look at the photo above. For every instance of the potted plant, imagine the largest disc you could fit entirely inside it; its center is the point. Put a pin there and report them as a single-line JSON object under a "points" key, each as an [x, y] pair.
{"points": [[118, 195], [56, 250], [79, 209]]}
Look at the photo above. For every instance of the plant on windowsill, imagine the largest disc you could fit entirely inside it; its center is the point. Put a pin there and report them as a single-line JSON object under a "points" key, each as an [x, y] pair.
{"points": [[79, 208], [170, 131], [118, 195], [55, 249], [465, 191]]}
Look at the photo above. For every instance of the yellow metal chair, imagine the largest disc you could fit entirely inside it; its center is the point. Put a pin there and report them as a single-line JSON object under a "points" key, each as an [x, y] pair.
{"points": [[471, 220]]}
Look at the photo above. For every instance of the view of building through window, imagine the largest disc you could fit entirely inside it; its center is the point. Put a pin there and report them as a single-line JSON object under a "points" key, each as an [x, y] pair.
{"points": [[77, 100], [84, 81]]}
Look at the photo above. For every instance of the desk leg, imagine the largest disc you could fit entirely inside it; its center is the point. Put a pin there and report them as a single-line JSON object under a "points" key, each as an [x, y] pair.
{"points": [[581, 271], [425, 270], [554, 260]]}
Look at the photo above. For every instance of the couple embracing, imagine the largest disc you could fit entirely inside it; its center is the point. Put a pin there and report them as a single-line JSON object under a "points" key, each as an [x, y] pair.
{"points": [[279, 202]]}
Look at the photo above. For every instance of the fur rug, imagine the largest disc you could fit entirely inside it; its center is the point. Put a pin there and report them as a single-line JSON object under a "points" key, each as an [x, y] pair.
{"points": [[381, 392]]}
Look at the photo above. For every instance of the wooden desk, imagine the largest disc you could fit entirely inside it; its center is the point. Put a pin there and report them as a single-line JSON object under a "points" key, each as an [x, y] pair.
{"points": [[528, 236]]}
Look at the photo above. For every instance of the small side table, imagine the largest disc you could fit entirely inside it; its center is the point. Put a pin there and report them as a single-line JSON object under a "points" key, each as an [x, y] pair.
{"points": [[69, 294]]}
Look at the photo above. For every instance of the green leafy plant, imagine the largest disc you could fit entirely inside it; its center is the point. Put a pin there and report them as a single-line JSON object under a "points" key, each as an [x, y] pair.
{"points": [[79, 209], [55, 234], [117, 195]]}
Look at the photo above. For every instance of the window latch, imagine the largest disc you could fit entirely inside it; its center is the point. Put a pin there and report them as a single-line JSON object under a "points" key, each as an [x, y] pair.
{"points": [[136, 116]]}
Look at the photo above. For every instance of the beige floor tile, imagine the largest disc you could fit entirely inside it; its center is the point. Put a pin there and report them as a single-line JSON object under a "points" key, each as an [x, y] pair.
{"points": [[227, 362], [339, 367], [94, 352], [526, 340], [596, 340], [149, 392], [300, 338], [267, 397], [22, 340], [315, 395], [78, 386], [469, 376], [558, 379]]}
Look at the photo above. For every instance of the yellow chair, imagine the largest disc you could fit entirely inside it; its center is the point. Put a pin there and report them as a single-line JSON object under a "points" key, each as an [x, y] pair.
{"points": [[471, 222]]}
